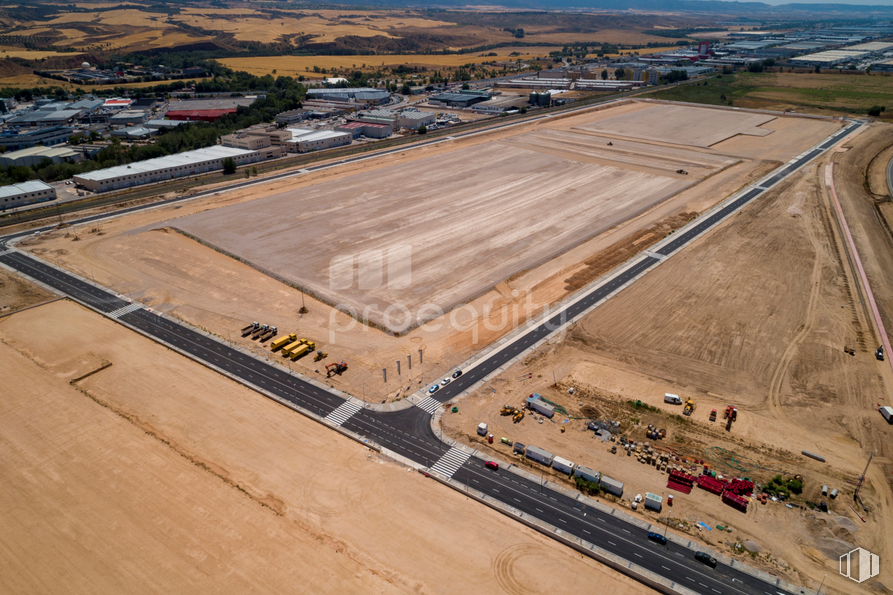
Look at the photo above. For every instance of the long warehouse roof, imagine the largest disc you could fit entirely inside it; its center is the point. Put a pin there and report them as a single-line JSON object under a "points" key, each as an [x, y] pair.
{"points": [[16, 189], [150, 165]]}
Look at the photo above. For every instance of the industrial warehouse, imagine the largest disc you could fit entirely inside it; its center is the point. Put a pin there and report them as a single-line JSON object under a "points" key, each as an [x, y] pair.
{"points": [[164, 168], [26, 193]]}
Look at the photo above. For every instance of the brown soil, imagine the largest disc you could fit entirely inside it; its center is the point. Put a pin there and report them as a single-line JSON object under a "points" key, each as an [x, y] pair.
{"points": [[172, 273], [155, 471], [622, 251], [756, 314], [17, 293]]}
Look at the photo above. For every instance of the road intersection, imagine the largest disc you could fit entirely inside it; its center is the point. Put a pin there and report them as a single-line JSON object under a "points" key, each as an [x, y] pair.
{"points": [[408, 432]]}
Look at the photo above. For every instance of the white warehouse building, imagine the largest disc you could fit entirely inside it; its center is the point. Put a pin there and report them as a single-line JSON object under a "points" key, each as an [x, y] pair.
{"points": [[164, 168], [25, 193]]}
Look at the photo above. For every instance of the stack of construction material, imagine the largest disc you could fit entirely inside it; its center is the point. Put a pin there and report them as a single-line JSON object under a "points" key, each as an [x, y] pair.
{"points": [[681, 482], [735, 501], [711, 484], [741, 487]]}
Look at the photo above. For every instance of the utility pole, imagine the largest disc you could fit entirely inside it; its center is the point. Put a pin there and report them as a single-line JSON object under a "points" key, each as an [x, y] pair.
{"points": [[422, 362], [409, 365], [384, 372]]}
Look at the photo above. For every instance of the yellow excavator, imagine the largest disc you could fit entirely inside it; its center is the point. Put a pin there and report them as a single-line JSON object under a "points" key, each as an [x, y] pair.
{"points": [[689, 407]]}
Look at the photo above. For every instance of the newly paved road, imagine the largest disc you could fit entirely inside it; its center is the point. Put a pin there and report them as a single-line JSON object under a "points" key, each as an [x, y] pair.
{"points": [[408, 432]]}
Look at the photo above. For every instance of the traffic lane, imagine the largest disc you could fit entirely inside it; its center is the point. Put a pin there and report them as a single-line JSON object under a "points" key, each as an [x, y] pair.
{"points": [[64, 283], [389, 433], [674, 562], [286, 386], [492, 363]]}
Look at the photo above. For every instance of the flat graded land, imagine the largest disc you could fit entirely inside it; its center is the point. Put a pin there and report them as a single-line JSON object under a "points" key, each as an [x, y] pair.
{"points": [[683, 125], [169, 272], [125, 464], [486, 212]]}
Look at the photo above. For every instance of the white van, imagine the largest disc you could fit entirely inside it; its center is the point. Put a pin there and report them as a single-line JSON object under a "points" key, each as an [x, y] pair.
{"points": [[672, 399]]}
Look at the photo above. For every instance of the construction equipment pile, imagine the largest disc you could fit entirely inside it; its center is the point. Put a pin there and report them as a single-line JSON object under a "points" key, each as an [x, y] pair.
{"points": [[517, 414]]}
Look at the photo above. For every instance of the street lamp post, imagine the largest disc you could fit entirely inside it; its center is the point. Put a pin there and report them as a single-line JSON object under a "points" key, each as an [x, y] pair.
{"points": [[821, 585]]}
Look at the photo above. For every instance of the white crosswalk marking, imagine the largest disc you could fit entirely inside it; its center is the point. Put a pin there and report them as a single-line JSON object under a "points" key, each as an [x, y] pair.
{"points": [[125, 310], [450, 462], [429, 404], [343, 412]]}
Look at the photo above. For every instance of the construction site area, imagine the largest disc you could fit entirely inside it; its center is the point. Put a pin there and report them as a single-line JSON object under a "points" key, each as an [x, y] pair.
{"points": [[760, 329], [749, 358]]}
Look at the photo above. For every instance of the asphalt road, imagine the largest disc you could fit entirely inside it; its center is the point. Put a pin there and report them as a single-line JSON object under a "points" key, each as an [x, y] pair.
{"points": [[408, 432]]}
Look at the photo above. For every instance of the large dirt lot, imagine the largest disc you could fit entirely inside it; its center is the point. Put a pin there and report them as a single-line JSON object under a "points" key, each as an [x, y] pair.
{"points": [[140, 256], [756, 315], [683, 125], [418, 236], [125, 464]]}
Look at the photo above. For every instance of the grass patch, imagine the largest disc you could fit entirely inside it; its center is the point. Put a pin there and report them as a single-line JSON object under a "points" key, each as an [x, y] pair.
{"points": [[823, 93]]}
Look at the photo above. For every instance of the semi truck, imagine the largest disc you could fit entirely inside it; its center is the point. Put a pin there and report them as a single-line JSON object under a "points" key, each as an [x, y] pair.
{"points": [[303, 350], [286, 351], [283, 341]]}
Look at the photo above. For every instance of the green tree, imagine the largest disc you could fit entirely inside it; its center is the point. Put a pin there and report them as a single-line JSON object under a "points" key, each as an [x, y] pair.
{"points": [[229, 166], [876, 110], [423, 129], [605, 74]]}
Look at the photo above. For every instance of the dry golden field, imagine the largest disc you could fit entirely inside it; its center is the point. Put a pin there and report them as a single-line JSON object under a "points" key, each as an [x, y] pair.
{"points": [[296, 65]]}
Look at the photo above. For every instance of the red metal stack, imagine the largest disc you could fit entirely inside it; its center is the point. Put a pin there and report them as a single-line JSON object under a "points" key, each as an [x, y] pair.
{"points": [[681, 482], [711, 484], [741, 487], [735, 501]]}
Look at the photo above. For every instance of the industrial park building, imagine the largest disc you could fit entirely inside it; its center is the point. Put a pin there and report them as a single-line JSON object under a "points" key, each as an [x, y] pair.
{"points": [[36, 155], [367, 129], [315, 140], [46, 136], [164, 168], [459, 98], [26, 193]]}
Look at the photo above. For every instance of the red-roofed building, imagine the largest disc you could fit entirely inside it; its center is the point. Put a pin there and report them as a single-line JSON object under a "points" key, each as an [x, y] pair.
{"points": [[117, 102], [208, 115]]}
